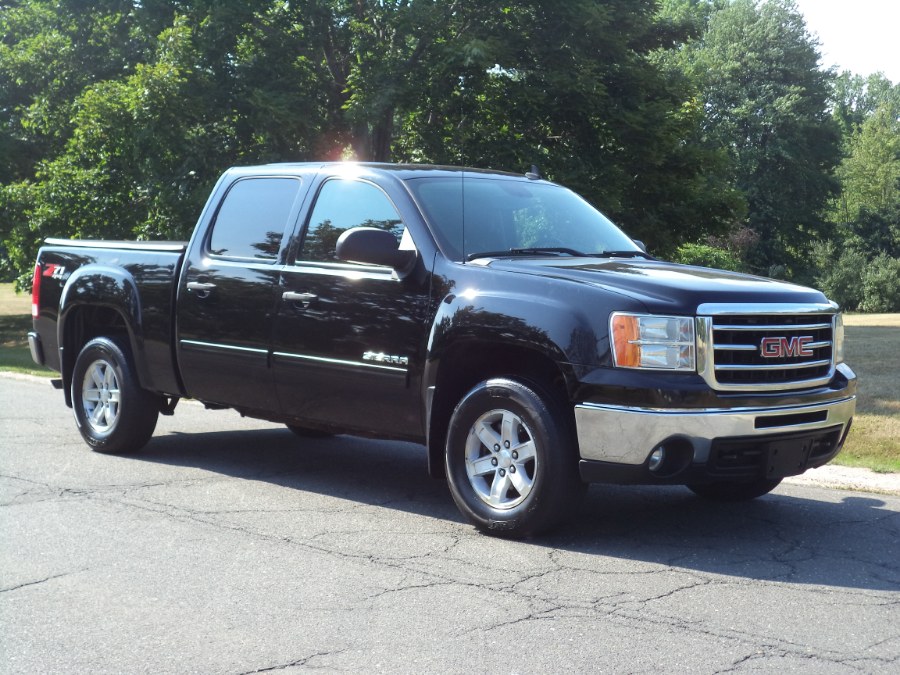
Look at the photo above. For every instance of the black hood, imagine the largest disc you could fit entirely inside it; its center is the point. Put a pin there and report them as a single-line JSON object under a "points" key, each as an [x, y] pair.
{"points": [[663, 286]]}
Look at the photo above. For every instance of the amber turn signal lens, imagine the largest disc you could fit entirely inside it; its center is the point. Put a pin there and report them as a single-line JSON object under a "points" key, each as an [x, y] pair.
{"points": [[627, 353]]}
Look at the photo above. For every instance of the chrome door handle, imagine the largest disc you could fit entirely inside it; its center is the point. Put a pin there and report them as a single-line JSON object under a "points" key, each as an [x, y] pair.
{"points": [[202, 290], [303, 299]]}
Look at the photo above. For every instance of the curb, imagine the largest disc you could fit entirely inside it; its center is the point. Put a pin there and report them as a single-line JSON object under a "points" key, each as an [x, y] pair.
{"points": [[849, 478]]}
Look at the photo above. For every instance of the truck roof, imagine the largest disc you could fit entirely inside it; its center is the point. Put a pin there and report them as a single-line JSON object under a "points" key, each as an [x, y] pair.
{"points": [[403, 171]]}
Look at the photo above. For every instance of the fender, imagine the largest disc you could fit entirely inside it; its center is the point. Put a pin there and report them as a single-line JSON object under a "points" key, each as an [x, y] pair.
{"points": [[102, 286], [569, 338], [560, 332]]}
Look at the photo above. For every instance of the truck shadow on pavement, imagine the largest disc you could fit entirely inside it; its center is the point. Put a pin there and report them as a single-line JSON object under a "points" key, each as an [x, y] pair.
{"points": [[795, 535]]}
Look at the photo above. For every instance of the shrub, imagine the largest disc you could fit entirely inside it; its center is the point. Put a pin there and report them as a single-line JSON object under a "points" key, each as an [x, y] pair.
{"points": [[705, 255], [841, 274], [881, 285]]}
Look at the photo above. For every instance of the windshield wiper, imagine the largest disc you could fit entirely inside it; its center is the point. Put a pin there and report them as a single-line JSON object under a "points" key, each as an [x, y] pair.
{"points": [[539, 250], [623, 254]]}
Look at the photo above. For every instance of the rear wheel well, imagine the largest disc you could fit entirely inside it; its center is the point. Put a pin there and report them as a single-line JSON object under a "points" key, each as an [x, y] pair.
{"points": [[465, 365], [83, 324]]}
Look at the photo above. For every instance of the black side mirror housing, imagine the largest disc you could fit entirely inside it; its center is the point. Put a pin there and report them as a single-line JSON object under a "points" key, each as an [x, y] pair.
{"points": [[372, 246], [640, 245]]}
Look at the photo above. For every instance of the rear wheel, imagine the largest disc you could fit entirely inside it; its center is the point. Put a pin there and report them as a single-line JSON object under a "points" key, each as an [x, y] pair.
{"points": [[511, 459], [113, 413], [735, 492]]}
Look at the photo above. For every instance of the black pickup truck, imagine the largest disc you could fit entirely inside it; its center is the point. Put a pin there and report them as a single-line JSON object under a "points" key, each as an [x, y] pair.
{"points": [[498, 319]]}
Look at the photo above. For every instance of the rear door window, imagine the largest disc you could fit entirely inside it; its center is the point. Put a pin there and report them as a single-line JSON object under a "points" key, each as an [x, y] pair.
{"points": [[253, 217]]}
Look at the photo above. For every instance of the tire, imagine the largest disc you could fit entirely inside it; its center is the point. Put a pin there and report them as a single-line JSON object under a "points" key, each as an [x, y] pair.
{"points": [[511, 459], [735, 492], [113, 413], [303, 432]]}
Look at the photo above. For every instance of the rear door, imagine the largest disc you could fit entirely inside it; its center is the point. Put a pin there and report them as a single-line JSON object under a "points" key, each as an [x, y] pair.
{"points": [[348, 337], [229, 292]]}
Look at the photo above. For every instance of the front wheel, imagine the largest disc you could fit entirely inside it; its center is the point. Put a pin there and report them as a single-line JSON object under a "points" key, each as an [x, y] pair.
{"points": [[113, 413], [511, 459], [735, 492]]}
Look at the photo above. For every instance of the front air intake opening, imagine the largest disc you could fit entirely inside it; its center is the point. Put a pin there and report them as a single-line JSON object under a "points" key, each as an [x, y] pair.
{"points": [[670, 457], [790, 420]]}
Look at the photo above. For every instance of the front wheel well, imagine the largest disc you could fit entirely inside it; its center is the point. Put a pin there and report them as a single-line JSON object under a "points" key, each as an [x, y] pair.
{"points": [[465, 365]]}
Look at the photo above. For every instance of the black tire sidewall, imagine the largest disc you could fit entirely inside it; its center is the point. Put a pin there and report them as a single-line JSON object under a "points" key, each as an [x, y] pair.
{"points": [[734, 492], [552, 492], [137, 413], [307, 432]]}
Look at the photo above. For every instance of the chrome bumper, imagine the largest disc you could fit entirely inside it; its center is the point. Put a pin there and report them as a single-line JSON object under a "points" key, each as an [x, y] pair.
{"points": [[623, 435]]}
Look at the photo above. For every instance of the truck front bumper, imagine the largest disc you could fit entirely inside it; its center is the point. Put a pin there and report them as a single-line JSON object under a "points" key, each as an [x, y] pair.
{"points": [[634, 445]]}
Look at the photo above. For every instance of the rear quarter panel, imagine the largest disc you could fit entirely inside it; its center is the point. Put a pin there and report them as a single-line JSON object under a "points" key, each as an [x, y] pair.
{"points": [[137, 283]]}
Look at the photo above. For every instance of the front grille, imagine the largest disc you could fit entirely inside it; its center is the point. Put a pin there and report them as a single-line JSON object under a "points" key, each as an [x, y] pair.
{"points": [[769, 350]]}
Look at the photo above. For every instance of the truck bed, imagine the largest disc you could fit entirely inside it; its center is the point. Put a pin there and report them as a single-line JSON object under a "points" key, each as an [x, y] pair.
{"points": [[81, 276], [130, 245]]}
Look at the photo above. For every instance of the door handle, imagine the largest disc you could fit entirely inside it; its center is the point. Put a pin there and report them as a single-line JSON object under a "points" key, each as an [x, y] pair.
{"points": [[303, 299], [202, 290]]}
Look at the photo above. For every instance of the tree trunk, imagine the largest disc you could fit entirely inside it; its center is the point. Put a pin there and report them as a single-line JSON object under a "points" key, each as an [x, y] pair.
{"points": [[382, 136]]}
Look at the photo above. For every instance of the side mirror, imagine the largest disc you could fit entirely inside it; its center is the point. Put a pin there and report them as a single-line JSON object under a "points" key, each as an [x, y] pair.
{"points": [[372, 246], [640, 245]]}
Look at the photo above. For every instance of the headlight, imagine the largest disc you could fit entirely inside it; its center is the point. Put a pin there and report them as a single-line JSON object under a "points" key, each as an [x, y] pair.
{"points": [[838, 338], [655, 342]]}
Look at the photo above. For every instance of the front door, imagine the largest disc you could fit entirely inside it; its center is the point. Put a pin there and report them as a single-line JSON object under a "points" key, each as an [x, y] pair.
{"points": [[348, 336]]}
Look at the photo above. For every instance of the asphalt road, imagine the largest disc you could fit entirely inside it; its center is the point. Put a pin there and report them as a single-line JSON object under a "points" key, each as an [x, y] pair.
{"points": [[231, 546]]}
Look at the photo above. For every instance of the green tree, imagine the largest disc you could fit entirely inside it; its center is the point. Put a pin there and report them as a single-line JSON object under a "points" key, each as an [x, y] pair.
{"points": [[860, 263], [131, 150], [766, 101], [870, 174], [573, 87], [855, 98], [119, 115], [50, 50], [379, 55], [125, 171]]}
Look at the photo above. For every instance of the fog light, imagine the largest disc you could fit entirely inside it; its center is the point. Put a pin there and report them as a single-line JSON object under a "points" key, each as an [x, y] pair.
{"points": [[657, 457]]}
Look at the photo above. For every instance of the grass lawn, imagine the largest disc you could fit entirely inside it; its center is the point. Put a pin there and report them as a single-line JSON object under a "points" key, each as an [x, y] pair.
{"points": [[873, 350], [15, 322]]}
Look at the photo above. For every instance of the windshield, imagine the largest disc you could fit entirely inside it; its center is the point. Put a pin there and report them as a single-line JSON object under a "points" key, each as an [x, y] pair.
{"points": [[472, 215]]}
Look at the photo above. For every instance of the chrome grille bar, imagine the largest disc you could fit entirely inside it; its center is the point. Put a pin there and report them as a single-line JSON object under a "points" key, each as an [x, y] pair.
{"points": [[779, 327], [730, 355]]}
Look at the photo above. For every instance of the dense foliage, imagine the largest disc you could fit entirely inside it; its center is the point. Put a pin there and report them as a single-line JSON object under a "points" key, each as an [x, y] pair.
{"points": [[704, 127]]}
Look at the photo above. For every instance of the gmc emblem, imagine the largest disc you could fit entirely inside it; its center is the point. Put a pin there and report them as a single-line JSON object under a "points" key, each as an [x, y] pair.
{"points": [[780, 347]]}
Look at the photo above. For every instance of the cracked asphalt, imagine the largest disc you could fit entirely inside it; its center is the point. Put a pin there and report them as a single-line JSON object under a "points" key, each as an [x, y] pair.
{"points": [[232, 546]]}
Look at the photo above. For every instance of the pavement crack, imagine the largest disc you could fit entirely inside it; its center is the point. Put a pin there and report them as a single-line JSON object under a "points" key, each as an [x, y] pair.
{"points": [[410, 587], [299, 663], [35, 583]]}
